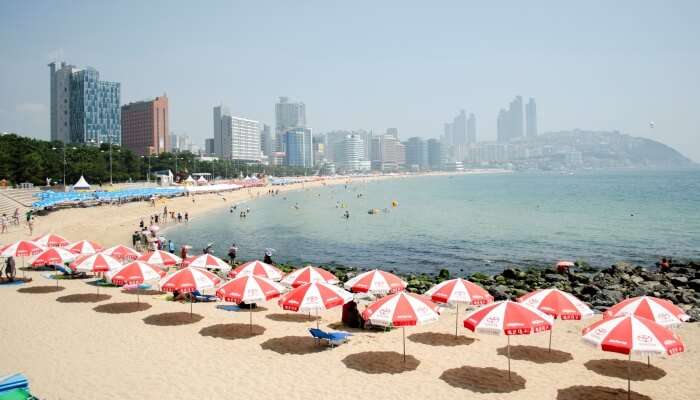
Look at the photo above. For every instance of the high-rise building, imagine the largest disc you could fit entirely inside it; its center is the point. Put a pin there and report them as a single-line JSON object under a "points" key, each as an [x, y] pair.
{"points": [[266, 141], [459, 128], [437, 155], [334, 140], [353, 154], [235, 138], [288, 115], [393, 132], [319, 148], [510, 122], [471, 129], [531, 118], [221, 125], [145, 126], [209, 146], [84, 109], [502, 131], [387, 153], [298, 143], [416, 153]]}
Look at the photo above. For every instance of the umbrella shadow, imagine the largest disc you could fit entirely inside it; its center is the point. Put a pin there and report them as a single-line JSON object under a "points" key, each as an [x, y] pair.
{"points": [[483, 380], [235, 308], [339, 326], [381, 362], [299, 345], [172, 319], [232, 331], [100, 283], [292, 317], [440, 339], [83, 298], [538, 355], [618, 369], [597, 393], [122, 308], [41, 289], [143, 292]]}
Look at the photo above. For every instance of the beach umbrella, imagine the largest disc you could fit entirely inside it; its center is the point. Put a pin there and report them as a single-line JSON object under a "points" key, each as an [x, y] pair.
{"points": [[52, 255], [84, 247], [249, 289], [308, 274], [207, 261], [661, 311], [95, 264], [459, 291], [188, 280], [314, 297], [509, 318], [21, 248], [558, 304], [121, 252], [51, 240], [257, 268], [375, 282], [631, 334], [134, 273], [400, 310], [160, 257]]}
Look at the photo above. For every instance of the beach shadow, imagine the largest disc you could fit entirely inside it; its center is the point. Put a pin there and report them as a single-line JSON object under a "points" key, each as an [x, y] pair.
{"points": [[232, 331], [618, 369], [440, 339], [122, 308], [538, 355], [143, 292], [83, 298], [483, 380], [173, 319], [293, 345], [235, 308], [101, 283], [381, 362], [597, 393], [41, 289], [339, 326], [291, 317]]}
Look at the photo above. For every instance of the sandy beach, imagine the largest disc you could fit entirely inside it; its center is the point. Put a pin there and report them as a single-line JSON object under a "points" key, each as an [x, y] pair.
{"points": [[73, 345]]}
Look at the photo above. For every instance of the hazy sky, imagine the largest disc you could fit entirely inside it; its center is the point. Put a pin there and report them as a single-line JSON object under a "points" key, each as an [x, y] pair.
{"points": [[593, 65]]}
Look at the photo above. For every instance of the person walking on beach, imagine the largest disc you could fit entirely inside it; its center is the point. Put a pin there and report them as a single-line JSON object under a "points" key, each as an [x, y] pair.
{"points": [[141, 224], [171, 246], [232, 253], [268, 257], [183, 252], [10, 268], [3, 223], [179, 217], [187, 217], [30, 222], [15, 216]]}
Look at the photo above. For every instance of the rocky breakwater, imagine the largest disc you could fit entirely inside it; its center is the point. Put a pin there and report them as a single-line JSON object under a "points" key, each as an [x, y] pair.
{"points": [[600, 288]]}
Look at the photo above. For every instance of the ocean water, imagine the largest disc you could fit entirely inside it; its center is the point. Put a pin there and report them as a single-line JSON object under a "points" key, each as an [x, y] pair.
{"points": [[468, 223]]}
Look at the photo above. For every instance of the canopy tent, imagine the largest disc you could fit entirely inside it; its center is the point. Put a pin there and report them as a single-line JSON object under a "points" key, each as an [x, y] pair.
{"points": [[190, 180], [81, 184], [202, 181]]}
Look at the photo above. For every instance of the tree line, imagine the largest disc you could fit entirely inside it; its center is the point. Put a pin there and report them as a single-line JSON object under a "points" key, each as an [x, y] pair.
{"points": [[24, 159]]}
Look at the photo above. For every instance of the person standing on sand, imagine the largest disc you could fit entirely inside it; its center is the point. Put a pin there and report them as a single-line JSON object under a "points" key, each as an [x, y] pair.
{"points": [[30, 223], [183, 252], [268, 257], [3, 223], [15, 216], [179, 217], [187, 217], [232, 253], [10, 268]]}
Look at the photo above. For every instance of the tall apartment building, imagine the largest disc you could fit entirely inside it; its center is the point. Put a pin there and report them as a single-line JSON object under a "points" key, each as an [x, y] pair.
{"points": [[387, 153], [84, 109], [353, 154], [416, 153], [267, 144], [145, 126], [288, 115], [298, 143], [471, 129], [510, 122], [209, 147], [235, 138], [531, 118]]}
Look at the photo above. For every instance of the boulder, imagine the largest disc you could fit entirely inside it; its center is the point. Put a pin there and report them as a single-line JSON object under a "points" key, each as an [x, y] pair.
{"points": [[499, 292], [694, 284], [555, 278]]}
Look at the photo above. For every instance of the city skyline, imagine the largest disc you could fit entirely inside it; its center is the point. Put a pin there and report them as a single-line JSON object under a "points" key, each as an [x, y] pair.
{"points": [[621, 79]]}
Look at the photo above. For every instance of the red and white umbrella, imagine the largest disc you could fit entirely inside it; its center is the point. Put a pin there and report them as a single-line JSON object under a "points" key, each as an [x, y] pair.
{"points": [[315, 296], [376, 282], [257, 268], [509, 318], [459, 291], [84, 247], [21, 248], [308, 274], [661, 311], [134, 273], [188, 280], [160, 257], [558, 304], [95, 264], [400, 310], [51, 240], [207, 261], [121, 252], [630, 334], [249, 289], [53, 255]]}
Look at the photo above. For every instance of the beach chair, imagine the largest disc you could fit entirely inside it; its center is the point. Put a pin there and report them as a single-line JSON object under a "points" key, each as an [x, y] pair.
{"points": [[13, 381], [203, 298], [69, 273], [333, 338]]}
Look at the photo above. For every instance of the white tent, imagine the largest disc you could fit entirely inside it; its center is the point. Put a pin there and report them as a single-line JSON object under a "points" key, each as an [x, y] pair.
{"points": [[81, 184], [201, 181], [189, 180]]}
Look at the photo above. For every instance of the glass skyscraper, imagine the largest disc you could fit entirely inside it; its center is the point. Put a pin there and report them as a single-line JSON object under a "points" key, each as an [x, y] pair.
{"points": [[299, 148], [94, 107]]}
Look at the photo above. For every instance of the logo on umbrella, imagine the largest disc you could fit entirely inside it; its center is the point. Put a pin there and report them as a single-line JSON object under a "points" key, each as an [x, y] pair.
{"points": [[645, 339], [493, 320]]}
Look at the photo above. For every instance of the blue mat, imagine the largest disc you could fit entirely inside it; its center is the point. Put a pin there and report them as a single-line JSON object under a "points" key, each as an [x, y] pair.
{"points": [[229, 307], [14, 283]]}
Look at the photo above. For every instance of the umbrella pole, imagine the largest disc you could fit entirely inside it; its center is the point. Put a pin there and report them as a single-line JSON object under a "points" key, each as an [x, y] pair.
{"points": [[403, 329], [550, 338], [191, 308], [629, 375], [55, 274], [316, 318], [508, 357], [23, 276], [250, 321], [648, 362], [457, 320]]}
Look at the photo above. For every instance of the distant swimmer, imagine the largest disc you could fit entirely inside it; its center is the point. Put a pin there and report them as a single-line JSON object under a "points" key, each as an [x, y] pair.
{"points": [[394, 203], [346, 215], [296, 206]]}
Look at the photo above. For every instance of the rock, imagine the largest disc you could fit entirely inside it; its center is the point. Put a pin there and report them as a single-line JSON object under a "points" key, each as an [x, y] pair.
{"points": [[679, 280], [694, 314], [519, 293], [650, 286], [443, 275], [500, 279], [478, 277], [499, 292], [509, 273], [637, 279], [694, 284], [555, 278], [607, 297], [589, 290]]}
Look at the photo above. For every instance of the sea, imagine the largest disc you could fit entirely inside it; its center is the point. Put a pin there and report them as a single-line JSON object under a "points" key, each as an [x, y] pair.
{"points": [[466, 223]]}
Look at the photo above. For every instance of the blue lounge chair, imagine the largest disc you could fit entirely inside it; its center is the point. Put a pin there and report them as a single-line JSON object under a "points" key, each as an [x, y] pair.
{"points": [[333, 338], [203, 298], [13, 381]]}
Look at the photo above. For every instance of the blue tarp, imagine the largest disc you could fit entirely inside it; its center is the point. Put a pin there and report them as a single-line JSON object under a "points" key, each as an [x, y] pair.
{"points": [[50, 198]]}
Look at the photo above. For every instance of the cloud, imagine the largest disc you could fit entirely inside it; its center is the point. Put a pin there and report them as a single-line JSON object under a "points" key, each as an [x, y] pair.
{"points": [[30, 108], [56, 54]]}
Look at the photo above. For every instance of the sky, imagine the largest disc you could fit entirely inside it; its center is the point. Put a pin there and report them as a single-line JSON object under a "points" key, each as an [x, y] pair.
{"points": [[598, 65]]}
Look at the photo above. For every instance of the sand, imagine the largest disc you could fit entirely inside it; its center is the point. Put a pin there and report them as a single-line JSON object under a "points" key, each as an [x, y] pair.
{"points": [[73, 345]]}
